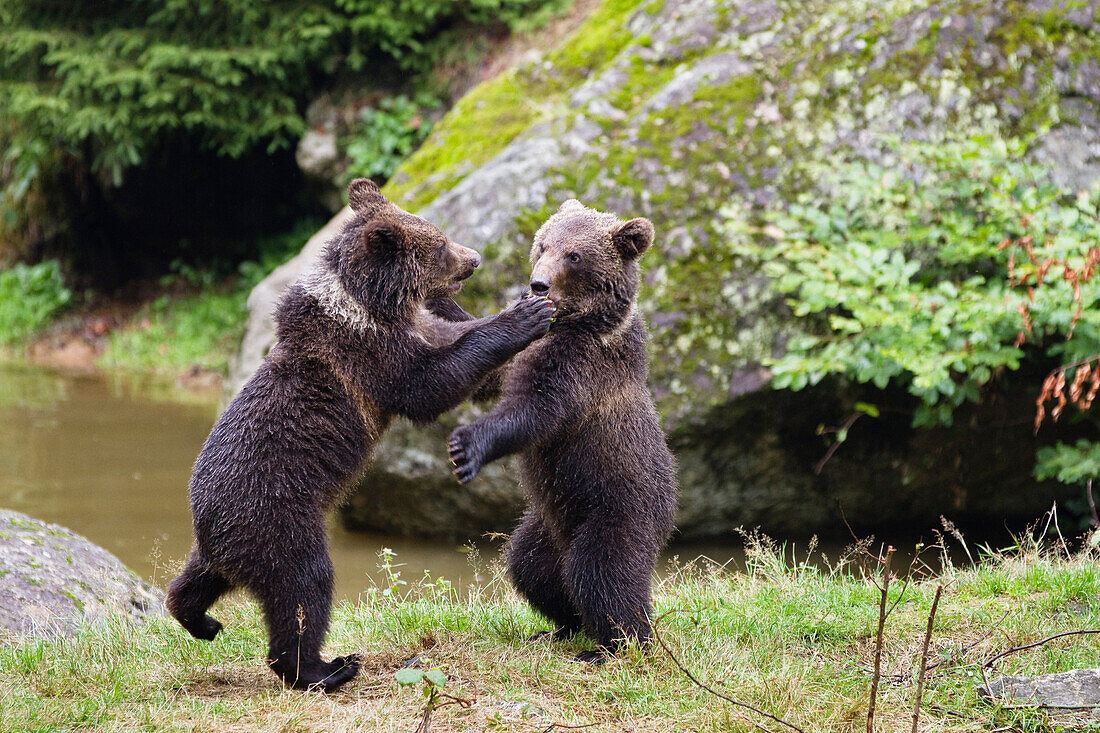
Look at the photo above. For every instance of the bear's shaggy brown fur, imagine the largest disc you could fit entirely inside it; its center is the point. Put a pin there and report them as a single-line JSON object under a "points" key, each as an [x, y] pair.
{"points": [[355, 347], [600, 481]]}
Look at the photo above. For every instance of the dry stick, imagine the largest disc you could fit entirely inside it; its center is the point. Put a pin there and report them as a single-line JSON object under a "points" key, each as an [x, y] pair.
{"points": [[878, 639], [989, 662], [924, 658], [711, 690]]}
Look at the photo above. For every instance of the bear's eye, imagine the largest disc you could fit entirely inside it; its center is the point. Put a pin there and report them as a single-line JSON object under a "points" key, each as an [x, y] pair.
{"points": [[573, 257]]}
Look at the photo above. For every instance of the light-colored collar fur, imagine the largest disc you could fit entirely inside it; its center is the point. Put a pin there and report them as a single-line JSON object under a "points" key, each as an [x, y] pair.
{"points": [[334, 299]]}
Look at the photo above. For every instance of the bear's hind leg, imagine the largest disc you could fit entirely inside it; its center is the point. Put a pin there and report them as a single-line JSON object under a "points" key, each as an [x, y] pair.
{"points": [[536, 566], [297, 600], [192, 593], [608, 574]]}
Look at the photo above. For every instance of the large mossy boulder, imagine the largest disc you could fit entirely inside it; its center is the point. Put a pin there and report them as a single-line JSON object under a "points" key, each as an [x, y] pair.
{"points": [[689, 112], [52, 581]]}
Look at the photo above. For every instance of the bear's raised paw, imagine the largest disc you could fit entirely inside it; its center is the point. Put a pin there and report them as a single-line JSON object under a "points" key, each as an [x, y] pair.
{"points": [[466, 456], [532, 316]]}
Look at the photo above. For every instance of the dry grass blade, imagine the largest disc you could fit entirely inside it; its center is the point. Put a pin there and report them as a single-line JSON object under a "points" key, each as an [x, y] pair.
{"points": [[563, 726]]}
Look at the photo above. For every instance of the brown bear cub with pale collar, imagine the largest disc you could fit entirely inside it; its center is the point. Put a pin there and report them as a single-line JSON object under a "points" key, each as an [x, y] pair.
{"points": [[600, 481], [355, 347]]}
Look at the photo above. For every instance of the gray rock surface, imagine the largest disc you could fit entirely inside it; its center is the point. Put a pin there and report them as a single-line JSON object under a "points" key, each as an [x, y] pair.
{"points": [[1075, 689], [52, 580], [259, 334], [690, 112]]}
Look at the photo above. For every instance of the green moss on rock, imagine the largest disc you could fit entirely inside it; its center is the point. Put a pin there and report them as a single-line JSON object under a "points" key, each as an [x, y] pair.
{"points": [[483, 122]]}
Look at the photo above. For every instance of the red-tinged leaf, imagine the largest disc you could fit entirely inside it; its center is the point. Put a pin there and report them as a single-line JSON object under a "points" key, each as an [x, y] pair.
{"points": [[1060, 396], [1078, 385], [1094, 386], [1025, 313]]}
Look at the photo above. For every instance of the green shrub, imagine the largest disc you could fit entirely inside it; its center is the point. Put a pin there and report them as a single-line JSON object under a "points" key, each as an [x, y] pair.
{"points": [[900, 271], [386, 134], [936, 270], [30, 295]]}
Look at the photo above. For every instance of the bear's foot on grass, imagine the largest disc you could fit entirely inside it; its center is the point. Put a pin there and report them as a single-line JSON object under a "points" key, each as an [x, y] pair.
{"points": [[555, 634], [326, 678], [205, 628], [597, 656]]}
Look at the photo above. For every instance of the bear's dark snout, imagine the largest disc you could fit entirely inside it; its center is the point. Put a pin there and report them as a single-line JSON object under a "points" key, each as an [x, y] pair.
{"points": [[540, 286]]}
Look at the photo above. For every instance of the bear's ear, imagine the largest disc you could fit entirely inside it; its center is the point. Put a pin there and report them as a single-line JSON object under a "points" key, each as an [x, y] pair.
{"points": [[633, 237], [571, 205], [364, 196], [382, 236]]}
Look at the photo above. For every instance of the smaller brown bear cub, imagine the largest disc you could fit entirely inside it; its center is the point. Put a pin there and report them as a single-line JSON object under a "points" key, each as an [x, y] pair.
{"points": [[355, 347], [600, 481]]}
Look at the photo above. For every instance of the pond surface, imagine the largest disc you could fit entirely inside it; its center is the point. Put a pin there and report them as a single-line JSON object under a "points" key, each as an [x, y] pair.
{"points": [[110, 460]]}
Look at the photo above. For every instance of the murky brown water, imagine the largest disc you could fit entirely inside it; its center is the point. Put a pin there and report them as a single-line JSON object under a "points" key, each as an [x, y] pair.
{"points": [[111, 461]]}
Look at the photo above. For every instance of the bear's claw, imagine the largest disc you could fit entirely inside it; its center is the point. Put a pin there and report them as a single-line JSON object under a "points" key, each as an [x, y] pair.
{"points": [[533, 315], [466, 463]]}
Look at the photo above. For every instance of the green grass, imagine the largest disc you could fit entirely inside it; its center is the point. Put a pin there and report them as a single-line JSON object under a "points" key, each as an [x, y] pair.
{"points": [[173, 333], [797, 642]]}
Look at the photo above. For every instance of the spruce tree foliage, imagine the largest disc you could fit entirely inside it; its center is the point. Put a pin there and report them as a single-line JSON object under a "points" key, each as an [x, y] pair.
{"points": [[100, 87]]}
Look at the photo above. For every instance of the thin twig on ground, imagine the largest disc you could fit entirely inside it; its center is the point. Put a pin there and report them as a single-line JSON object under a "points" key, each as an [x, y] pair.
{"points": [[924, 658], [885, 587], [989, 662], [711, 690]]}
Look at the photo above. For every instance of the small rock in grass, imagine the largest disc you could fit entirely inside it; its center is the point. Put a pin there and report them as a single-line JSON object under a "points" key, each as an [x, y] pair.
{"points": [[1075, 689]]}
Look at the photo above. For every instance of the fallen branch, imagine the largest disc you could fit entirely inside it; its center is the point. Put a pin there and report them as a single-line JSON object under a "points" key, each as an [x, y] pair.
{"points": [[711, 690], [878, 638], [924, 658], [989, 662]]}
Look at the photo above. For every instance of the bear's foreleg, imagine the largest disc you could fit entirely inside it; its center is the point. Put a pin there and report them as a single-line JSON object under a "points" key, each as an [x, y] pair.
{"points": [[439, 379], [536, 567]]}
